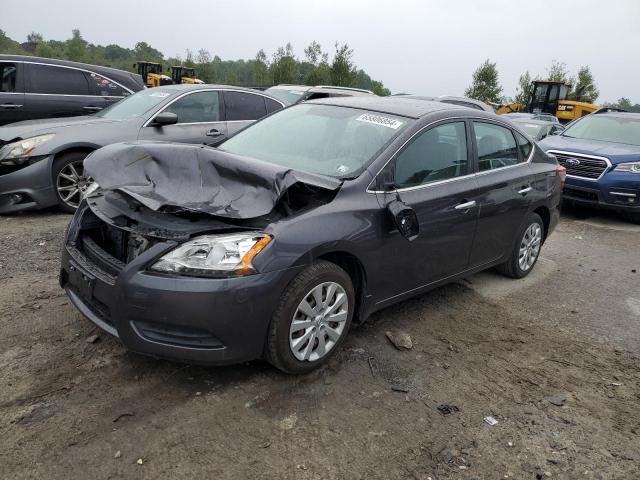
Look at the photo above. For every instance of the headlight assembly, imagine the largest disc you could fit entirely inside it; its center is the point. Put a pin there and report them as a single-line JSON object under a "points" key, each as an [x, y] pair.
{"points": [[631, 167], [226, 255], [18, 153]]}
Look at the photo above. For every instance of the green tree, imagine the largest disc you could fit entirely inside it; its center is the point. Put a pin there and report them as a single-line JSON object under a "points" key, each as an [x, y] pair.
{"points": [[524, 88], [343, 71], [585, 89], [261, 68], [379, 89], [557, 72], [485, 85], [284, 67], [76, 47], [145, 52], [204, 66]]}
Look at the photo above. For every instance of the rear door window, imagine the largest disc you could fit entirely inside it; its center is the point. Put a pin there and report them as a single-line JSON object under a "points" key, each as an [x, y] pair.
{"points": [[496, 146], [244, 106], [8, 77], [57, 80]]}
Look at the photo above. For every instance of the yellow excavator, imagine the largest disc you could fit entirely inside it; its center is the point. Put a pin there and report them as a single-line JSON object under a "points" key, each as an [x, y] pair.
{"points": [[551, 97], [151, 73], [180, 74]]}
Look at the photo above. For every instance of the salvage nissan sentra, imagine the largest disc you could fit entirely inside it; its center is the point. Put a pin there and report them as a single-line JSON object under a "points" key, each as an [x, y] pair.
{"points": [[313, 218]]}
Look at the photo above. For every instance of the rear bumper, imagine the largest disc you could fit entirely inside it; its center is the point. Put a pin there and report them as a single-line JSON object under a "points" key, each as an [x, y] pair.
{"points": [[614, 191], [194, 320], [28, 188]]}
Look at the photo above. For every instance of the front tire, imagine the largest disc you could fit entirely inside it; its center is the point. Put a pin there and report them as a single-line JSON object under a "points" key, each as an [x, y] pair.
{"points": [[526, 251], [69, 180], [312, 319]]}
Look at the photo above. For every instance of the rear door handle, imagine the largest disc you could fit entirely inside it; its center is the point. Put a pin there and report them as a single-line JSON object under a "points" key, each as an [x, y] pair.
{"points": [[214, 132], [92, 108], [11, 106], [524, 190], [466, 205]]}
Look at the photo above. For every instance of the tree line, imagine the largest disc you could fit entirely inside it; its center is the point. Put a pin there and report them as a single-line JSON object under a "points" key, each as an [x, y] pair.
{"points": [[486, 86], [283, 66]]}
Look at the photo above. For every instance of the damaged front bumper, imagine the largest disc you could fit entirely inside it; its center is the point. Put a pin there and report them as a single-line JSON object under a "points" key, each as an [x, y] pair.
{"points": [[195, 320]]}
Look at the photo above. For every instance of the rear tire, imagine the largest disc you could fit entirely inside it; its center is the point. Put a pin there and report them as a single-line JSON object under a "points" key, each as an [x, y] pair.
{"points": [[526, 249], [69, 180], [312, 319]]}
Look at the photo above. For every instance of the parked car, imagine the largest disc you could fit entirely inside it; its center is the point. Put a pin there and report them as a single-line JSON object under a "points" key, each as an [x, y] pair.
{"points": [[314, 217], [543, 117], [34, 87], [460, 101], [602, 155], [291, 94], [538, 129], [41, 160]]}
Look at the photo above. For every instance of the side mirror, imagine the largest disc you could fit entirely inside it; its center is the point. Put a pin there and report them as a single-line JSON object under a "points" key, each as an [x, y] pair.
{"points": [[165, 118], [405, 219]]}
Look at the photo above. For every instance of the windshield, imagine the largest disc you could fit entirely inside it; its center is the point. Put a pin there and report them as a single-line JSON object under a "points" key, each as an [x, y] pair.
{"points": [[287, 96], [606, 129], [135, 105], [324, 139], [533, 129]]}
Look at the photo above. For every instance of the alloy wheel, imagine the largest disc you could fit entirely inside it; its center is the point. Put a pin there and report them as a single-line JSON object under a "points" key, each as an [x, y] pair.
{"points": [[72, 182], [319, 322], [530, 247]]}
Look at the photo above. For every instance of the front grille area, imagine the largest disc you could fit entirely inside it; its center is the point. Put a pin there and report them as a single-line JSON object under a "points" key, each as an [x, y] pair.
{"points": [[107, 247], [582, 166]]}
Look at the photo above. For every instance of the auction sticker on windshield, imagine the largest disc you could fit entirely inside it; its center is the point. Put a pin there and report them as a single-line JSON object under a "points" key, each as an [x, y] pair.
{"points": [[380, 120]]}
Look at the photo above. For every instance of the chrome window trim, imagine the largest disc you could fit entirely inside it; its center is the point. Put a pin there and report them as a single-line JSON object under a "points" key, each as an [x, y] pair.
{"points": [[584, 155], [448, 180], [74, 68], [146, 124]]}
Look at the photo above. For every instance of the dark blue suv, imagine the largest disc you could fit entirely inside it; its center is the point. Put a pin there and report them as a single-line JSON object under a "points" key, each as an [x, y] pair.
{"points": [[601, 153]]}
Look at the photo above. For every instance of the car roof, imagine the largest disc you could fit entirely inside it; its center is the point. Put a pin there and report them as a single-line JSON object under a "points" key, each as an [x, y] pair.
{"points": [[393, 105], [115, 73], [533, 121], [450, 99], [633, 115], [320, 88]]}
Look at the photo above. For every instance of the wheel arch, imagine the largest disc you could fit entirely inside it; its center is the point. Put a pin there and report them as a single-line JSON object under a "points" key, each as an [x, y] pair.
{"points": [[354, 267], [545, 215]]}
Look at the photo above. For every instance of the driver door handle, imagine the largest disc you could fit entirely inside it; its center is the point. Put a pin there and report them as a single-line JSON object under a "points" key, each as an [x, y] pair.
{"points": [[92, 108], [524, 190], [466, 205], [214, 132], [11, 106]]}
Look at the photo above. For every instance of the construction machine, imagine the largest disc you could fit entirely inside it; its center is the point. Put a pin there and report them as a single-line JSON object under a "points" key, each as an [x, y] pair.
{"points": [[551, 97], [180, 74], [151, 73]]}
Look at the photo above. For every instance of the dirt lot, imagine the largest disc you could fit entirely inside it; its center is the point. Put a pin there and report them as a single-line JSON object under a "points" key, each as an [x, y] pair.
{"points": [[554, 358]]}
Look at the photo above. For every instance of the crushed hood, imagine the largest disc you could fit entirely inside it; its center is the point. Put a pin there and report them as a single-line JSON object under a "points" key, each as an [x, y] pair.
{"points": [[196, 178]]}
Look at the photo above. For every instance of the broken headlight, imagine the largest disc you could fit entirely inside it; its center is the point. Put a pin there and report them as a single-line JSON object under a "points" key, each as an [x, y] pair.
{"points": [[214, 255], [19, 152]]}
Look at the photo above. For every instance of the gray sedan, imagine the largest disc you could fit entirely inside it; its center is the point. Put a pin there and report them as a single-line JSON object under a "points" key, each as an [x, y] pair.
{"points": [[41, 161]]}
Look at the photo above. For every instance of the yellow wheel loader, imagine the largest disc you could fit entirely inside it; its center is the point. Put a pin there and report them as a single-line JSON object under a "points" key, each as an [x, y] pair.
{"points": [[151, 73], [181, 74], [551, 97]]}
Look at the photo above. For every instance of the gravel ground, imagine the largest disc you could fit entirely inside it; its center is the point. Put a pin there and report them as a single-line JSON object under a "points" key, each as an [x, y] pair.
{"points": [[554, 358]]}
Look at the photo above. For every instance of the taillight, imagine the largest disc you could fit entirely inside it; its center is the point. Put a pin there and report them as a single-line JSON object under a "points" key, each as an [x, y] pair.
{"points": [[562, 173]]}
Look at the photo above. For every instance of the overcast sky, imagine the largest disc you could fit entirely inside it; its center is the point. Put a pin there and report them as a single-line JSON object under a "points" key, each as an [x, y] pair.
{"points": [[428, 47]]}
